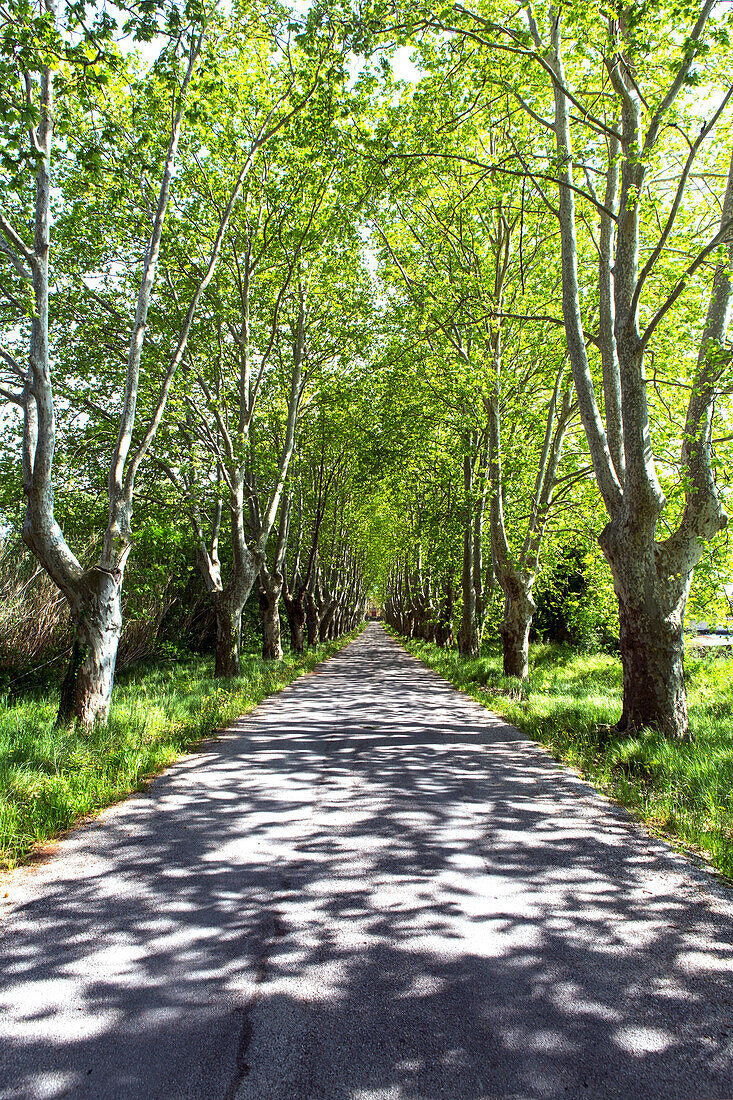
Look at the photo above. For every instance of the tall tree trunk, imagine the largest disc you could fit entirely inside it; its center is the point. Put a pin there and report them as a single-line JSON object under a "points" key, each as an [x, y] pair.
{"points": [[651, 578], [269, 599], [228, 635], [97, 619], [519, 607], [651, 613], [95, 597]]}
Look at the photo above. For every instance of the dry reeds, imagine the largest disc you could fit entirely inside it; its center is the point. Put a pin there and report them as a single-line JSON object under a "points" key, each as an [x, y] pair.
{"points": [[35, 624], [34, 616]]}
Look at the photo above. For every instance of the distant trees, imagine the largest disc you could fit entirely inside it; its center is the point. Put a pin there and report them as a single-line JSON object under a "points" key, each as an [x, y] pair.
{"points": [[465, 259]]}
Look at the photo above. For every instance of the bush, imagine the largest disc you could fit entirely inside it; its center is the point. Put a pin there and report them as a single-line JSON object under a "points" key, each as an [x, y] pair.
{"points": [[576, 604]]}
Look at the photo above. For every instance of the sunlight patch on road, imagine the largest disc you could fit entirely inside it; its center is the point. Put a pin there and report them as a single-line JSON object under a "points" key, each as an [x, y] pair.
{"points": [[639, 1040]]}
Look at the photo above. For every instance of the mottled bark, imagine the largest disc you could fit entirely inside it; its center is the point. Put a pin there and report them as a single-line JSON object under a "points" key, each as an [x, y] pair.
{"points": [[228, 637], [97, 619], [653, 672], [519, 607], [270, 585], [651, 612], [272, 649]]}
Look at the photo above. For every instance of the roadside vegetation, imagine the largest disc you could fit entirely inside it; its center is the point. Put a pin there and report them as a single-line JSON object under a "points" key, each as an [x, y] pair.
{"points": [[682, 790], [50, 775]]}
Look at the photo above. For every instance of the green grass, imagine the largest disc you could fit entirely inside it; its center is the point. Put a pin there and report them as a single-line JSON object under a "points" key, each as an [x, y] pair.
{"points": [[683, 791], [51, 777]]}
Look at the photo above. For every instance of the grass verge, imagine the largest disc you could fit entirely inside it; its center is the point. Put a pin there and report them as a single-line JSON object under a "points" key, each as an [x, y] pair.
{"points": [[683, 791], [49, 777]]}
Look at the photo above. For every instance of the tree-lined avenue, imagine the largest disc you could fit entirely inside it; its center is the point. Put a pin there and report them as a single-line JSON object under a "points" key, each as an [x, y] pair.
{"points": [[368, 888]]}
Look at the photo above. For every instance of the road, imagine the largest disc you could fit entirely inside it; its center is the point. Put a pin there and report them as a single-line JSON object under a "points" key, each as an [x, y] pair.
{"points": [[369, 889]]}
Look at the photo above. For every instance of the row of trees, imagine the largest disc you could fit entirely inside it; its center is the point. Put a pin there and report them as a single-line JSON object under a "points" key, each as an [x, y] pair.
{"points": [[608, 131], [452, 255], [195, 332], [408, 337]]}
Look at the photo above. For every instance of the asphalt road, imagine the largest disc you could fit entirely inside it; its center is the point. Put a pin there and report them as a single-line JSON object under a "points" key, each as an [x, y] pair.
{"points": [[369, 889]]}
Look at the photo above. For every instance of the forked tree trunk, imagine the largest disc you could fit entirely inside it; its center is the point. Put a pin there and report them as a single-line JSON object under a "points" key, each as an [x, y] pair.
{"points": [[97, 618], [228, 637], [651, 578], [519, 607], [228, 601]]}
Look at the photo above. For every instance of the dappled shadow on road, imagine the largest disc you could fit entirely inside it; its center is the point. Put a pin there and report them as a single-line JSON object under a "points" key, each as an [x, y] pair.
{"points": [[371, 890]]}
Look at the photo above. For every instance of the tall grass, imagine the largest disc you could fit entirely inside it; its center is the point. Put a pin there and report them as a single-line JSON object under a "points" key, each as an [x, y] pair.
{"points": [[51, 777], [683, 791]]}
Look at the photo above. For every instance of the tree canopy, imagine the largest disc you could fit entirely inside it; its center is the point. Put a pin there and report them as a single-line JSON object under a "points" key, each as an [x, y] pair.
{"points": [[326, 336]]}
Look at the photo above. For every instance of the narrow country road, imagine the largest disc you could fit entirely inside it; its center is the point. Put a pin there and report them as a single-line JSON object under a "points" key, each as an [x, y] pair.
{"points": [[369, 889]]}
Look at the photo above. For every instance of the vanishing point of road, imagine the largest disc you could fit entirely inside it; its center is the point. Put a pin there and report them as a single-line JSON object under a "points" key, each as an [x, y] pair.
{"points": [[368, 889]]}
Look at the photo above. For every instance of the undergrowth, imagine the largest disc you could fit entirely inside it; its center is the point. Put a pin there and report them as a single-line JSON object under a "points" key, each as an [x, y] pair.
{"points": [[683, 791], [50, 777]]}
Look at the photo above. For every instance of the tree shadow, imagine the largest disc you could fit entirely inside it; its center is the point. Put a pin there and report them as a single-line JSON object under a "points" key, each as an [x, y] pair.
{"points": [[371, 889]]}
